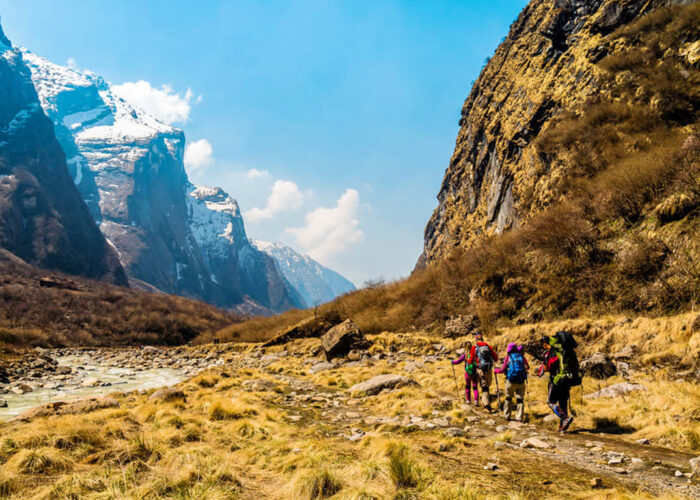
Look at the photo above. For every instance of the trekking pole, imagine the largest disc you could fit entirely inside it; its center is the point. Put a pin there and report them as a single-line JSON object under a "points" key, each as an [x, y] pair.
{"points": [[498, 391], [454, 375]]}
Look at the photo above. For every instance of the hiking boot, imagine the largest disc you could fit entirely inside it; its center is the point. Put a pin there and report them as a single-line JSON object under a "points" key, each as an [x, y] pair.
{"points": [[566, 423]]}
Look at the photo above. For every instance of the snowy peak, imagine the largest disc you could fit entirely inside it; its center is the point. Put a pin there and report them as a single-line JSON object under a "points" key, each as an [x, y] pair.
{"points": [[315, 283], [215, 199], [88, 107]]}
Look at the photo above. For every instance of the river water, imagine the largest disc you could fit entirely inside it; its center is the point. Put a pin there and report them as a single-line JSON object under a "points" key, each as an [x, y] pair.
{"points": [[121, 379]]}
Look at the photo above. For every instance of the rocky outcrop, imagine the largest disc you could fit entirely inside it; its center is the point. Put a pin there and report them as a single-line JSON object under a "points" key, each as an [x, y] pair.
{"points": [[170, 235], [43, 219], [496, 177], [598, 366], [314, 326]]}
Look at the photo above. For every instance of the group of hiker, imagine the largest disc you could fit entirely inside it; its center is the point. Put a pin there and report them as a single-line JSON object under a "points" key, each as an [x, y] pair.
{"points": [[558, 358]]}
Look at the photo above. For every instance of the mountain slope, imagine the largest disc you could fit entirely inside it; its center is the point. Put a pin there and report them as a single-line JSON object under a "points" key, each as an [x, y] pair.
{"points": [[316, 284], [497, 177], [129, 168], [43, 219]]}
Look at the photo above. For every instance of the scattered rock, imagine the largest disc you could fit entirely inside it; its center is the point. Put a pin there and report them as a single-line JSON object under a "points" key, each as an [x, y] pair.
{"points": [[90, 382], [615, 461], [322, 366], [455, 432], [501, 428], [356, 436], [442, 422], [550, 418], [637, 463], [167, 394], [678, 473], [643, 441], [534, 442], [616, 390], [377, 384], [21, 389], [491, 466], [339, 340], [596, 482], [490, 421], [598, 366], [627, 353], [3, 403]]}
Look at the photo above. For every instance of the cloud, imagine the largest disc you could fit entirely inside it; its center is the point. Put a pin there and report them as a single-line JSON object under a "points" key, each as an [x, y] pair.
{"points": [[198, 156], [254, 173], [163, 103], [329, 231], [284, 195]]}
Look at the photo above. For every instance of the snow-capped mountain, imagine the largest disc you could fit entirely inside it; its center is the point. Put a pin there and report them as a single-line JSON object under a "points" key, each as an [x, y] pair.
{"points": [[43, 218], [129, 168], [316, 284]]}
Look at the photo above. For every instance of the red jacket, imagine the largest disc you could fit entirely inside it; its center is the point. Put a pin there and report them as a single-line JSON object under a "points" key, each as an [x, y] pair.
{"points": [[550, 364], [472, 354]]}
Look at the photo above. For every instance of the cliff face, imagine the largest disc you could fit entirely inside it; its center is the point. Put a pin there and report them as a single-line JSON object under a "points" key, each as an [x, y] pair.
{"points": [[129, 168], [43, 218], [496, 178]]}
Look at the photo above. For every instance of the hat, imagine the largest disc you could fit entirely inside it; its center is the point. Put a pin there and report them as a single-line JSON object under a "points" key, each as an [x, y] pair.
{"points": [[478, 335]]}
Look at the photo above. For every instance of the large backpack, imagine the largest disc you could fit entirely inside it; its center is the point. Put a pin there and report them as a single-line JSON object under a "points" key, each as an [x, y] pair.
{"points": [[564, 344], [516, 372], [484, 358]]}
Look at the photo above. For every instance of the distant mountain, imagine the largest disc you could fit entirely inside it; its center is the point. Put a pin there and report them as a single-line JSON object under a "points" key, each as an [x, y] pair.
{"points": [[315, 283], [43, 218], [129, 168]]}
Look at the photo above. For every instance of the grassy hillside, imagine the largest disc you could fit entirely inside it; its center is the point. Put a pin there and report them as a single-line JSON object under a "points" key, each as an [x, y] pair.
{"points": [[42, 308], [621, 233]]}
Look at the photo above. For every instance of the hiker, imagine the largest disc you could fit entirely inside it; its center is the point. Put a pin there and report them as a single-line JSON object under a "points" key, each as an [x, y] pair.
{"points": [[471, 378], [483, 357], [515, 366], [562, 364]]}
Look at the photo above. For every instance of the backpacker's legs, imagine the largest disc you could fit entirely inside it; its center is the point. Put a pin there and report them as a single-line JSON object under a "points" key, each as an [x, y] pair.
{"points": [[517, 390], [471, 381], [485, 382], [558, 401]]}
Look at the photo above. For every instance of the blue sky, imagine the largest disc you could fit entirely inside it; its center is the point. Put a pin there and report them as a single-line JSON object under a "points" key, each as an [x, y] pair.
{"points": [[330, 122]]}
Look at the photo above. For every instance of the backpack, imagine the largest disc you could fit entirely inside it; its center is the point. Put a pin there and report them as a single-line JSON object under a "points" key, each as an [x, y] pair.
{"points": [[564, 344], [470, 368], [484, 358], [516, 372]]}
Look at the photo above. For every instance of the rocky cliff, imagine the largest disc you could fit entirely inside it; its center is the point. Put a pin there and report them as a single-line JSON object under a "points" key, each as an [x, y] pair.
{"points": [[497, 177], [129, 168], [316, 283], [43, 218]]}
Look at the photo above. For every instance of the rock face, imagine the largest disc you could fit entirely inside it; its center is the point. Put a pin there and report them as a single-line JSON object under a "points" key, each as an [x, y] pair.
{"points": [[496, 178], [314, 326], [459, 326], [377, 384], [315, 283], [340, 339], [128, 166], [43, 219], [598, 366]]}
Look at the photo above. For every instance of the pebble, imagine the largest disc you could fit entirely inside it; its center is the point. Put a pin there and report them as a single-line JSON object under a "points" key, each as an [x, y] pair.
{"points": [[615, 461], [643, 441], [678, 473], [596, 482], [3, 403], [491, 466]]}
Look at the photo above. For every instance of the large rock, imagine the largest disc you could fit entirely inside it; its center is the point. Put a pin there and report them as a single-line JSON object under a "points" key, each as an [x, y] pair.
{"points": [[459, 326], [616, 390], [377, 384], [339, 340], [65, 408], [314, 326], [598, 366], [167, 394]]}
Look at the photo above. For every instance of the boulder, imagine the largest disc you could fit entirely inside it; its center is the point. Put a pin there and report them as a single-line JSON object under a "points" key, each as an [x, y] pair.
{"points": [[616, 390], [459, 326], [695, 466], [167, 394], [65, 408], [342, 338], [314, 326], [598, 366], [455, 432], [377, 384], [3, 403]]}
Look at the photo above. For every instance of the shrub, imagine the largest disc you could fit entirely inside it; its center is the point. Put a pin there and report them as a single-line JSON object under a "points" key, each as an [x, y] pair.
{"points": [[317, 483]]}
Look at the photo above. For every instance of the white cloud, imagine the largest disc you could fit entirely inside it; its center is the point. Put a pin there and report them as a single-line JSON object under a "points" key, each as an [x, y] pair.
{"points": [[254, 173], [198, 156], [163, 103], [284, 195], [329, 231]]}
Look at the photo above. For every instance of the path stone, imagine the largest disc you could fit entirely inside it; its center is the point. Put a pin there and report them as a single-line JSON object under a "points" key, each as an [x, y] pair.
{"points": [[534, 442], [379, 383]]}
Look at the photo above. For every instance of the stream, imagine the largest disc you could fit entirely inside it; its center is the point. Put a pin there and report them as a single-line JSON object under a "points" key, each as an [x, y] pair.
{"points": [[111, 379]]}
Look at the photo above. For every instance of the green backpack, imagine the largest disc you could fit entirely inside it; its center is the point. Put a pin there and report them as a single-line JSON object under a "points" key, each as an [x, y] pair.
{"points": [[564, 345], [470, 368]]}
